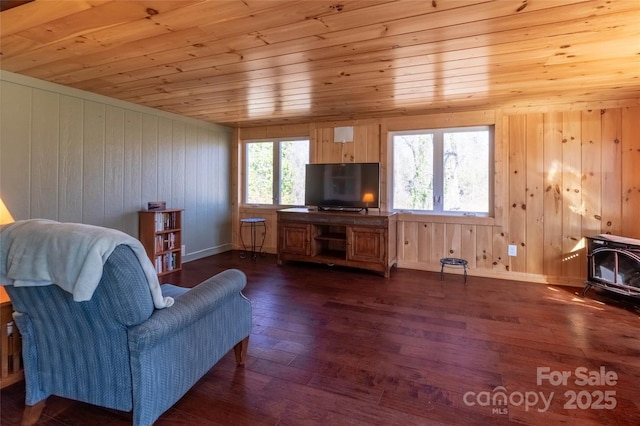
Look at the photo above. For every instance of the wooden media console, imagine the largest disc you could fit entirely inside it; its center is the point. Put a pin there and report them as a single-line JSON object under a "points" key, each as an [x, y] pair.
{"points": [[355, 239]]}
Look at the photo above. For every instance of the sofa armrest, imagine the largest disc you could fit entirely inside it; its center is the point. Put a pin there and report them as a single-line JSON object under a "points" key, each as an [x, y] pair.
{"points": [[188, 308]]}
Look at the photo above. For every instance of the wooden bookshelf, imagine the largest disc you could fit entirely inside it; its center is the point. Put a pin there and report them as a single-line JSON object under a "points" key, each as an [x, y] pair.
{"points": [[160, 232]]}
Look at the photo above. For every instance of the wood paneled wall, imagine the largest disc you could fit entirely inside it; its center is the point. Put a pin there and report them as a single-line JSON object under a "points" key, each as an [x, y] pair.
{"points": [[560, 175], [71, 156], [364, 148]]}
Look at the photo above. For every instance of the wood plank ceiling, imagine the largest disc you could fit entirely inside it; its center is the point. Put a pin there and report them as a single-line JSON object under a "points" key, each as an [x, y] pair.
{"points": [[260, 62]]}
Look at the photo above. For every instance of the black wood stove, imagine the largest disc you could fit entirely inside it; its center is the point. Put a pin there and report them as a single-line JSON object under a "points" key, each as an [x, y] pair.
{"points": [[613, 264]]}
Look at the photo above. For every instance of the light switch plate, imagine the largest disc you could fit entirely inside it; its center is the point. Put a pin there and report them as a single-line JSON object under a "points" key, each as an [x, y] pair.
{"points": [[513, 250]]}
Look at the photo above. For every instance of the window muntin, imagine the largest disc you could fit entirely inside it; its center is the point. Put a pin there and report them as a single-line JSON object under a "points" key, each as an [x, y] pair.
{"points": [[275, 171], [445, 171]]}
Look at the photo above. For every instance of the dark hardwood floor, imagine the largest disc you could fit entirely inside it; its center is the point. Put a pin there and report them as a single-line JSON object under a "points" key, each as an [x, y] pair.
{"points": [[334, 346]]}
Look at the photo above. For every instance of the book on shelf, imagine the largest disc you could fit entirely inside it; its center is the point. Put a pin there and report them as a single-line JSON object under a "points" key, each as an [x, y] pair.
{"points": [[159, 222], [169, 261], [165, 242], [165, 221], [166, 262]]}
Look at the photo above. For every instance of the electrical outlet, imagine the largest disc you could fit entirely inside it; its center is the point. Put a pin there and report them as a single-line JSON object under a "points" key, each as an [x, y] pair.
{"points": [[184, 250], [513, 250]]}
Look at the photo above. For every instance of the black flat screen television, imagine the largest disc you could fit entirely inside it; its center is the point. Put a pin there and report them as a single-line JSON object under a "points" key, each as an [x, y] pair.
{"points": [[347, 186]]}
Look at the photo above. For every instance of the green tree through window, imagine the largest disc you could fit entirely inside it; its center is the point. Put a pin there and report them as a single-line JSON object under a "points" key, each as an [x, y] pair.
{"points": [[275, 171], [413, 172], [260, 173], [443, 170]]}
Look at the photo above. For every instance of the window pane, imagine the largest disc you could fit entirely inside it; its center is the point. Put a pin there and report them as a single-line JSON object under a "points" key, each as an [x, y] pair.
{"points": [[413, 172], [466, 171], [294, 155], [260, 173]]}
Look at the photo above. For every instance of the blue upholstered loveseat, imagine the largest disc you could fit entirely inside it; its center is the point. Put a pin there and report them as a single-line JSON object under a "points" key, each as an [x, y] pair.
{"points": [[117, 350]]}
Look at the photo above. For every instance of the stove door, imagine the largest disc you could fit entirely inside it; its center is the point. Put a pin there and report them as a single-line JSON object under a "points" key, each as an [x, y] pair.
{"points": [[616, 267], [629, 269]]}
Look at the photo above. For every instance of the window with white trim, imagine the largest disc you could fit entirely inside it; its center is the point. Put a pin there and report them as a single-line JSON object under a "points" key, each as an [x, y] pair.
{"points": [[443, 171], [275, 171]]}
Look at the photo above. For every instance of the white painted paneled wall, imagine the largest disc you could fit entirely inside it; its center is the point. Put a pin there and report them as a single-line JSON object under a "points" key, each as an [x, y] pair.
{"points": [[73, 156]]}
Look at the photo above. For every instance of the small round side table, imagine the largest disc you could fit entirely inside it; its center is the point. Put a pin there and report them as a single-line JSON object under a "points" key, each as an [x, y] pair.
{"points": [[253, 223]]}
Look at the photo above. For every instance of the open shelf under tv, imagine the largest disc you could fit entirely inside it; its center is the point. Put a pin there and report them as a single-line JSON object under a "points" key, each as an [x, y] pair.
{"points": [[330, 241]]}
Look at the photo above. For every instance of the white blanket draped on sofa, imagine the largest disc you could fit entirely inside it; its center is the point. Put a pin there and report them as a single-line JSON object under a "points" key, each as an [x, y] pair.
{"points": [[39, 252]]}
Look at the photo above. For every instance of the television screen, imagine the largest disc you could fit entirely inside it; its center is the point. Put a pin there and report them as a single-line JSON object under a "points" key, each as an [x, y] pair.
{"points": [[343, 186]]}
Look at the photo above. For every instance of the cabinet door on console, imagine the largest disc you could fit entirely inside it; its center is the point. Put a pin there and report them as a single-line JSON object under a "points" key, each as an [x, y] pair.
{"points": [[366, 244], [295, 238]]}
